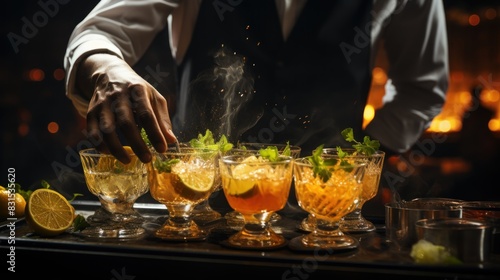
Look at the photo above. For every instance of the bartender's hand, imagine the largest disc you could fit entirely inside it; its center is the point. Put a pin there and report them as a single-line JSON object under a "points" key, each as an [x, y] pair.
{"points": [[122, 101]]}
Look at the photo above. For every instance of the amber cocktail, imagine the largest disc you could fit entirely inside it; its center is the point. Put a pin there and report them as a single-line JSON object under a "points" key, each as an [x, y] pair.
{"points": [[256, 188], [181, 179], [327, 196]]}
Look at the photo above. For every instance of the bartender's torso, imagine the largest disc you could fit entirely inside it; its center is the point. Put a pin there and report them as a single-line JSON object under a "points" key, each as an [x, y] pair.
{"points": [[241, 77]]}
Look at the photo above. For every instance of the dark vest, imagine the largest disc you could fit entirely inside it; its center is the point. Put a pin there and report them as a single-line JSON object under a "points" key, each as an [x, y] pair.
{"points": [[240, 78]]}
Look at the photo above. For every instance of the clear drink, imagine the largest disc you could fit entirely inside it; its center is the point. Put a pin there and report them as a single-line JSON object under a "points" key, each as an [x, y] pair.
{"points": [[117, 186], [117, 191]]}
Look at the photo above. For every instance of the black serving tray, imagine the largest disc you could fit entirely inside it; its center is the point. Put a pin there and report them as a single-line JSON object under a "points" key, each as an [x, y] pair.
{"points": [[374, 256]]}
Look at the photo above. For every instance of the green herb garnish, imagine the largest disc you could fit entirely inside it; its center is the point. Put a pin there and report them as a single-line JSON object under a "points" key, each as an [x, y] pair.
{"points": [[207, 141], [270, 153], [321, 166], [145, 138], [165, 165], [79, 223], [367, 147]]}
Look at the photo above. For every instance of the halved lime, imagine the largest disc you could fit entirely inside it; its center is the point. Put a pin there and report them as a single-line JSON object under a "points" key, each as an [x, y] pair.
{"points": [[199, 181], [240, 187], [242, 180]]}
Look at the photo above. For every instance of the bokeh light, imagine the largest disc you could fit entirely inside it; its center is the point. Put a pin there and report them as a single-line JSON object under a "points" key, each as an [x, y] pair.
{"points": [[59, 74], [474, 20], [36, 75], [53, 127]]}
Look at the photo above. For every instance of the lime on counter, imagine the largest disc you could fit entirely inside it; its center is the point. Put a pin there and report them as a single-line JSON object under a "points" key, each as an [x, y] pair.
{"points": [[49, 213]]}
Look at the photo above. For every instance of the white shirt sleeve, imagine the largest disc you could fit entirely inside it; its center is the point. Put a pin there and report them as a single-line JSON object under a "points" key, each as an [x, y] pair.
{"points": [[415, 40], [124, 28]]}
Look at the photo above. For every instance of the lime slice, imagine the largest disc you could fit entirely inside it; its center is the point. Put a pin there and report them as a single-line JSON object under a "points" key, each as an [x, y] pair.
{"points": [[242, 182], [240, 187], [199, 181]]}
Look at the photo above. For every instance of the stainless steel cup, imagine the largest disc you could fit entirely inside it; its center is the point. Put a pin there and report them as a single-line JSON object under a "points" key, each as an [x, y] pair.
{"points": [[400, 219], [466, 239], [488, 211]]}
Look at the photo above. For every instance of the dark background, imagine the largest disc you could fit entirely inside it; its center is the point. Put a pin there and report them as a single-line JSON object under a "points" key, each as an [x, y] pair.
{"points": [[462, 166]]}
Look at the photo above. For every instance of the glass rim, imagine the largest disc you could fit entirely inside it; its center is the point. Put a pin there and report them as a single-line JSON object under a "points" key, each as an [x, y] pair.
{"points": [[93, 152], [378, 153], [303, 161], [230, 159], [185, 150], [278, 145]]}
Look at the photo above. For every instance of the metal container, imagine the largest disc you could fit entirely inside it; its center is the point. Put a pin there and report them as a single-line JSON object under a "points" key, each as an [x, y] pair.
{"points": [[488, 211], [400, 219], [466, 239]]}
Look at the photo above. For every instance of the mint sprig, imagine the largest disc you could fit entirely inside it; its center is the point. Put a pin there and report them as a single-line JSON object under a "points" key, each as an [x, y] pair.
{"points": [[321, 166], [207, 141], [367, 147], [165, 166], [272, 153]]}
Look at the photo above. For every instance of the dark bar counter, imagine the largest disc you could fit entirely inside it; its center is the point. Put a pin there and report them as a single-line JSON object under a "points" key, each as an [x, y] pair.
{"points": [[71, 256]]}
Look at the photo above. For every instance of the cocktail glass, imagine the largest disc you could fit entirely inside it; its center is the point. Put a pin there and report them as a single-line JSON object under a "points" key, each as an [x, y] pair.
{"points": [[234, 218], [180, 178], [117, 186], [203, 211], [256, 188], [327, 199], [354, 222]]}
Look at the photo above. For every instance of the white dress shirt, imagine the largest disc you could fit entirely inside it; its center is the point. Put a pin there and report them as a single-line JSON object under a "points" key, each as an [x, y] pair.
{"points": [[413, 33]]}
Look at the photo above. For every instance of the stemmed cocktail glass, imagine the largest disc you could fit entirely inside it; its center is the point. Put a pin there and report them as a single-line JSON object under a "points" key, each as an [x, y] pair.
{"points": [[203, 212], [327, 194], [117, 186], [354, 222], [180, 178], [234, 218], [256, 188]]}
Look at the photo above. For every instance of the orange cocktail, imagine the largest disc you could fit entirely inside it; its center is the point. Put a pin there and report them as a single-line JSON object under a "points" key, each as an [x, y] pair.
{"points": [[256, 187], [180, 179]]}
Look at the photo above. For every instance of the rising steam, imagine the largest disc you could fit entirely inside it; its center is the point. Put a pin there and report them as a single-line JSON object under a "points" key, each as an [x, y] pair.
{"points": [[235, 89]]}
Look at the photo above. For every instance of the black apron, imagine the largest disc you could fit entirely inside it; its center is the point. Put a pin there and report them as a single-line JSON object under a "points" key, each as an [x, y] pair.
{"points": [[241, 79]]}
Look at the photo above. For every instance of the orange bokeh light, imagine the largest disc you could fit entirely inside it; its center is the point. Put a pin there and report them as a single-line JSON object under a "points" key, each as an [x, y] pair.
{"points": [[474, 20], [59, 74], [36, 75], [53, 127], [23, 129]]}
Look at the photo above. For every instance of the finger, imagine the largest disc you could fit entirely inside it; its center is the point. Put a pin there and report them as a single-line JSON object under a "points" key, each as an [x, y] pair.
{"points": [[160, 108], [107, 127], [95, 135], [147, 118], [125, 122]]}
